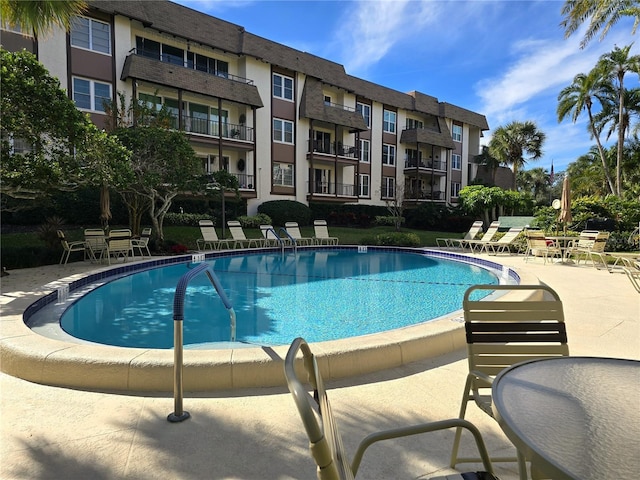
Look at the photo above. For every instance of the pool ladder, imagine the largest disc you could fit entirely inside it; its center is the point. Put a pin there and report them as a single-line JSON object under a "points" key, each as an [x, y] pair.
{"points": [[179, 414], [281, 241]]}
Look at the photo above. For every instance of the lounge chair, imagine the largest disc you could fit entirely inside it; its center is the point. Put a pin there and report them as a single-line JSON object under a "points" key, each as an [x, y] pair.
{"points": [[209, 236], [325, 443], [539, 246], [475, 229], [271, 238], [240, 239], [142, 243], [632, 269], [504, 243], [321, 233], [474, 244], [69, 247], [525, 325], [293, 229], [96, 241], [119, 245]]}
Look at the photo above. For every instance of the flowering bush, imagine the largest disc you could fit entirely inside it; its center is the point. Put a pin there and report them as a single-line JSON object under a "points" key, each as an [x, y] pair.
{"points": [[179, 248]]}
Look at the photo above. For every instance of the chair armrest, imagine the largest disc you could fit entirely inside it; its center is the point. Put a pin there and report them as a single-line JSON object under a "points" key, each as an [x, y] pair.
{"points": [[480, 376]]}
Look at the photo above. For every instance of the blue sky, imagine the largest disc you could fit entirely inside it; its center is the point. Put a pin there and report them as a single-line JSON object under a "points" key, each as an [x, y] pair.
{"points": [[506, 59]]}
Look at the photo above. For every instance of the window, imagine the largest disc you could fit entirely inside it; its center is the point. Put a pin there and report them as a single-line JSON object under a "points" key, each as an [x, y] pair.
{"points": [[389, 121], [91, 34], [283, 174], [152, 102], [364, 151], [282, 131], [388, 187], [282, 87], [411, 124], [148, 48], [364, 185], [172, 55], [91, 95], [456, 161], [455, 189], [457, 133], [199, 118], [365, 111], [388, 154], [327, 100]]}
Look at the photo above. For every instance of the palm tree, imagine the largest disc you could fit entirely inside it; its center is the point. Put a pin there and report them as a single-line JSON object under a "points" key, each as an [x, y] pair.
{"points": [[601, 15], [38, 16], [511, 142], [577, 97], [587, 176], [614, 66]]}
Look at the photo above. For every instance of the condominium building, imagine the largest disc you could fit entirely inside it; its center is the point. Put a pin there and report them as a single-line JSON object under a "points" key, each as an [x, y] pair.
{"points": [[288, 124]]}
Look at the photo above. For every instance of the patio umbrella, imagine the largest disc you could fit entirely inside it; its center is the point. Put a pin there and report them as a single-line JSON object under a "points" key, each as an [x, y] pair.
{"points": [[105, 205], [565, 203]]}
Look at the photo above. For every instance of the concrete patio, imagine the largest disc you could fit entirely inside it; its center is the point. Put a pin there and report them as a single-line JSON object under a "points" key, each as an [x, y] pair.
{"points": [[53, 433]]}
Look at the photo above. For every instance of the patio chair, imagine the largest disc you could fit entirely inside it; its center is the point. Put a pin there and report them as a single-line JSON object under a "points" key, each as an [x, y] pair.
{"points": [[240, 239], [580, 247], [475, 229], [539, 246], [96, 241], [504, 243], [293, 229], [209, 236], [119, 245], [481, 243], [320, 425], [69, 247], [526, 324], [596, 253], [321, 233], [142, 243]]}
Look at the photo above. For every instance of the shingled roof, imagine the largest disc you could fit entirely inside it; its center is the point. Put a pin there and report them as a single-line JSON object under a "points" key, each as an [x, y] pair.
{"points": [[139, 67], [312, 106], [174, 19]]}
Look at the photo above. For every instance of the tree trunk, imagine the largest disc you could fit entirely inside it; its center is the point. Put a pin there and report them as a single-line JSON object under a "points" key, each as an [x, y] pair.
{"points": [[603, 158]]}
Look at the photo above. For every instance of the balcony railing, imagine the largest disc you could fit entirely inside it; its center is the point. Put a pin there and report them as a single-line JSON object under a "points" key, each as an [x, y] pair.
{"points": [[424, 195], [333, 148], [434, 165], [330, 188], [339, 105], [175, 60], [245, 181], [213, 128]]}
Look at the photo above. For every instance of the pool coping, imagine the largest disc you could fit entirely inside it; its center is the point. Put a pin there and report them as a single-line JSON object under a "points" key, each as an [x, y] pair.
{"points": [[26, 354]]}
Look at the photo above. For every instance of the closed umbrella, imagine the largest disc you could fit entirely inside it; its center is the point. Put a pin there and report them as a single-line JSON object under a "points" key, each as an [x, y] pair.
{"points": [[565, 203], [105, 206]]}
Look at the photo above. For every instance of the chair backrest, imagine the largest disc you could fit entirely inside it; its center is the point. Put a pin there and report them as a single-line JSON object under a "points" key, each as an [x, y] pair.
{"points": [[586, 239], [491, 231], [63, 240], [600, 242], [293, 229], [268, 232], [510, 236], [320, 229], [526, 324], [475, 229], [536, 239], [235, 228], [325, 442], [208, 231], [120, 240]]}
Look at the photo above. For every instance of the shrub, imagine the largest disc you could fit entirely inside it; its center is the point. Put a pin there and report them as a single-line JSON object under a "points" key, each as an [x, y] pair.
{"points": [[254, 221], [48, 231], [387, 221], [282, 211], [186, 219], [395, 239]]}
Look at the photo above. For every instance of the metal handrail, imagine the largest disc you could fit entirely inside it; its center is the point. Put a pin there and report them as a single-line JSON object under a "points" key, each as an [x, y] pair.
{"points": [[179, 414], [277, 237], [293, 240]]}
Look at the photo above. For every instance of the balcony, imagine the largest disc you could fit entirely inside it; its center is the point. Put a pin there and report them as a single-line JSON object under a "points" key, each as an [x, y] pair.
{"points": [[213, 128], [415, 163], [331, 189], [424, 195], [245, 181], [334, 149]]}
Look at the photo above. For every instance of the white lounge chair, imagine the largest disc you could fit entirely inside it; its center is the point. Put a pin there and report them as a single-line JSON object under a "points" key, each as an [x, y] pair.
{"points": [[321, 234], [293, 229], [240, 239], [209, 236], [480, 244], [504, 243], [475, 229]]}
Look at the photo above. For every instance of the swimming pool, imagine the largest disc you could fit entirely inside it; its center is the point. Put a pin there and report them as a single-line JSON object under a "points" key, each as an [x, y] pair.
{"points": [[36, 349], [319, 295]]}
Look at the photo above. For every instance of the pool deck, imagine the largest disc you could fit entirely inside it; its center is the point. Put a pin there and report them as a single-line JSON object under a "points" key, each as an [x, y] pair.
{"points": [[52, 432]]}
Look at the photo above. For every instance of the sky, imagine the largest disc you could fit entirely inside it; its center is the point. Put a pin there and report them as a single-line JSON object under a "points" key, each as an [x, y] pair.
{"points": [[505, 59]]}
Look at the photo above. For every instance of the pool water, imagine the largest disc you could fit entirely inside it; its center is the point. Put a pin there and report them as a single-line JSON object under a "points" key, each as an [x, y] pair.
{"points": [[319, 295]]}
